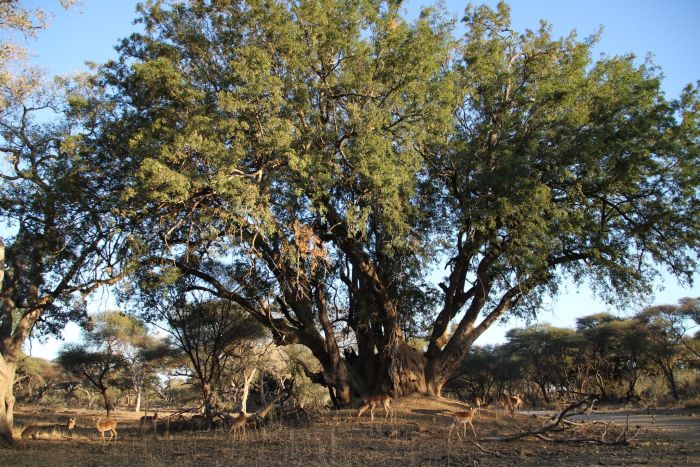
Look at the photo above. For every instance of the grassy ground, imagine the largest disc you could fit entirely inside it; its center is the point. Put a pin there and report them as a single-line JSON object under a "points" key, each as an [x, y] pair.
{"points": [[417, 433]]}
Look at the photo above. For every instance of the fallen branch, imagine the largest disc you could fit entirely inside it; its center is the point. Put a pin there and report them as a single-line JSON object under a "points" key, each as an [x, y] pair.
{"points": [[560, 423], [487, 451], [622, 440], [576, 408]]}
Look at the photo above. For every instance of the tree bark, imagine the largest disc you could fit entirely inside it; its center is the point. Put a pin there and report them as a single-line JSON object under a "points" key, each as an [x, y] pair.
{"points": [[8, 368], [246, 389], [109, 406], [208, 395], [543, 389], [137, 407], [263, 395]]}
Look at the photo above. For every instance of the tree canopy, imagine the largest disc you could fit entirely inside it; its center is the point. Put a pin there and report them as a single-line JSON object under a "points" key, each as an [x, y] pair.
{"points": [[314, 162]]}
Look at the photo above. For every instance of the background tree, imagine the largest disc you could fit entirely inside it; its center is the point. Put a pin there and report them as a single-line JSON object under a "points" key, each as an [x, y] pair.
{"points": [[100, 357], [677, 321], [544, 352], [212, 334], [614, 359], [35, 378], [664, 332], [143, 355]]}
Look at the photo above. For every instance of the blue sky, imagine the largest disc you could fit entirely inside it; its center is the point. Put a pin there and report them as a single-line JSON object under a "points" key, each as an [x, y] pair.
{"points": [[669, 30]]}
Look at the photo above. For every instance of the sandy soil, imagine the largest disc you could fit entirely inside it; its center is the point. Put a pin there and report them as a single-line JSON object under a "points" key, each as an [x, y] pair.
{"points": [[417, 433]]}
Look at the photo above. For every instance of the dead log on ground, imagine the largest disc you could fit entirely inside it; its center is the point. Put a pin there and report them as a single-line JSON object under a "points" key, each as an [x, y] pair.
{"points": [[554, 425]]}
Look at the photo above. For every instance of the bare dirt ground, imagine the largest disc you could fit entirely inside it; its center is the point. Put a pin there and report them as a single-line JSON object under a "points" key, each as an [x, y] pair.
{"points": [[417, 433]]}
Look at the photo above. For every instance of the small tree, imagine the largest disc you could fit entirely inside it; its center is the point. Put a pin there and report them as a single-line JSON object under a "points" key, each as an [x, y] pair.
{"points": [[664, 334], [543, 354], [142, 353], [37, 376], [99, 358], [210, 333]]}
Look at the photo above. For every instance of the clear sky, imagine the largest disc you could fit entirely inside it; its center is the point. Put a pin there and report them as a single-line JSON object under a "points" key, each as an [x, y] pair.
{"points": [[669, 30]]}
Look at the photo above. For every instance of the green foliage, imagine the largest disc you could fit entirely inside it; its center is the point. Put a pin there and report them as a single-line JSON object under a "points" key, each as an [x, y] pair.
{"points": [[116, 351], [613, 358], [565, 166], [285, 150]]}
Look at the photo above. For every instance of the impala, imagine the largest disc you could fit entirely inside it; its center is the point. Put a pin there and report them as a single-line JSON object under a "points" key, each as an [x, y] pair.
{"points": [[198, 422], [70, 425], [149, 420], [107, 425], [237, 424], [372, 402], [512, 402], [30, 432], [462, 418]]}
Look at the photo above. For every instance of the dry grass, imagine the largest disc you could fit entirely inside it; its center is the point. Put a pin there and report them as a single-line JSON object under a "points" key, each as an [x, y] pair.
{"points": [[415, 434]]}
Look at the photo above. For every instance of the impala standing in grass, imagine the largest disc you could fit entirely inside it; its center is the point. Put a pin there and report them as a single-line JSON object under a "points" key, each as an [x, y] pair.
{"points": [[372, 403], [107, 425]]}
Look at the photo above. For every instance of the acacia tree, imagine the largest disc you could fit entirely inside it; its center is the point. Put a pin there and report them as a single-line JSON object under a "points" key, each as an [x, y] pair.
{"points": [[664, 335], [313, 161], [254, 132], [211, 334], [142, 354], [560, 167], [102, 354], [544, 352]]}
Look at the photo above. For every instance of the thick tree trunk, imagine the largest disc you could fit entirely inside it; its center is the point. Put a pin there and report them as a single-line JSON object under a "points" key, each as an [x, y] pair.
{"points": [[435, 378], [403, 371], [8, 368], [339, 378]]}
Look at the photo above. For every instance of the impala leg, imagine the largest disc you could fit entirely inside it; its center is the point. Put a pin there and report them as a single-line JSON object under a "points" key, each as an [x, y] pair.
{"points": [[362, 410], [459, 437]]}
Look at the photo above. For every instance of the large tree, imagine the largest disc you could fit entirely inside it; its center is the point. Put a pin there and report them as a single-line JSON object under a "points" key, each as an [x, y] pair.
{"points": [[60, 234], [560, 168], [313, 162], [278, 154]]}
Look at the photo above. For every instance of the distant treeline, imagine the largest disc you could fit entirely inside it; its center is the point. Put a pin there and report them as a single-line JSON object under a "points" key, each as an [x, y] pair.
{"points": [[650, 357]]}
